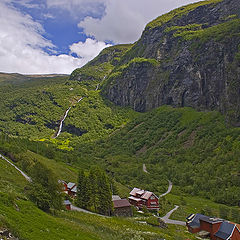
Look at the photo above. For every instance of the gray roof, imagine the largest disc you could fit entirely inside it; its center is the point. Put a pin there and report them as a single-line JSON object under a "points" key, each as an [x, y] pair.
{"points": [[121, 203], [67, 202], [115, 197], [71, 185], [211, 219], [74, 189], [225, 230], [195, 220]]}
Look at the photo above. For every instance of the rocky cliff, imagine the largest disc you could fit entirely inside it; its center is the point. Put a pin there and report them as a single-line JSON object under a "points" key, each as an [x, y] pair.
{"points": [[188, 57]]}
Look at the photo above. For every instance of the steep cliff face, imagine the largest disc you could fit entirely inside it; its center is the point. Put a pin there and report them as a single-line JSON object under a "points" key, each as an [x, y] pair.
{"points": [[188, 57]]}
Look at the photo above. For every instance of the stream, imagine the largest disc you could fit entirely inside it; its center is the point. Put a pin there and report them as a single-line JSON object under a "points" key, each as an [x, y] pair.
{"points": [[64, 117]]}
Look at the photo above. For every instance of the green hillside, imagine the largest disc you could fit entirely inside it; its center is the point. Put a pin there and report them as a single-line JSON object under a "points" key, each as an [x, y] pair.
{"points": [[188, 147], [26, 221], [34, 108]]}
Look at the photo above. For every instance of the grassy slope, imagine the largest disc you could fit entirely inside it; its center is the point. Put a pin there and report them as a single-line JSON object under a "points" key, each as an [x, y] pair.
{"points": [[97, 69], [177, 13], [28, 222]]}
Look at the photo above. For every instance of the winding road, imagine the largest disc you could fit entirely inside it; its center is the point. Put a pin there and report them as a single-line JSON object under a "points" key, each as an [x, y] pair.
{"points": [[167, 216], [19, 170], [168, 191], [74, 208], [145, 168], [170, 221]]}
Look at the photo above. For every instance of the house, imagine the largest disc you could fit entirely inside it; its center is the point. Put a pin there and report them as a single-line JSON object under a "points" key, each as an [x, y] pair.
{"points": [[122, 208], [67, 204], [193, 222], [141, 198], [72, 189], [63, 186], [228, 231], [210, 225], [215, 228]]}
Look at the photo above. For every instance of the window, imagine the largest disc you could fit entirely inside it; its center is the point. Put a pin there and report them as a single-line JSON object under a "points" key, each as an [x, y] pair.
{"points": [[152, 197]]}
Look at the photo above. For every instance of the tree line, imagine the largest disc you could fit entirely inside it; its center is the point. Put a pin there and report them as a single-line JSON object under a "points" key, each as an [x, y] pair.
{"points": [[94, 191]]}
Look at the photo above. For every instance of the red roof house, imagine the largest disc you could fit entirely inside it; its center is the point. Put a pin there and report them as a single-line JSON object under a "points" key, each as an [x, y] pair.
{"points": [[141, 198], [67, 204], [63, 186]]}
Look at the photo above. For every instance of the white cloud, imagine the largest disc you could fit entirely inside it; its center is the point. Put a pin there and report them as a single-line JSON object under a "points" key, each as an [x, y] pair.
{"points": [[89, 49], [125, 20], [22, 44]]}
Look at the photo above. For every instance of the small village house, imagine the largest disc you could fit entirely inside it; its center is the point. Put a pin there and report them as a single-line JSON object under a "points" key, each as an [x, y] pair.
{"points": [[122, 208], [214, 228], [141, 198], [72, 189], [63, 186], [210, 225], [67, 204]]}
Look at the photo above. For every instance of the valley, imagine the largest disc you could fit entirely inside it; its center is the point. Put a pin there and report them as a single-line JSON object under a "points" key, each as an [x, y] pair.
{"points": [[160, 114]]}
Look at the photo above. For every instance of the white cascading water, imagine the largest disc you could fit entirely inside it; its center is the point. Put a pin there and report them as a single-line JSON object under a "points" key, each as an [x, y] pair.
{"points": [[65, 115]]}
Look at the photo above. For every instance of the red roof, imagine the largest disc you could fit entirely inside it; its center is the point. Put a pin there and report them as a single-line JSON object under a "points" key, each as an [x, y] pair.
{"points": [[143, 194], [134, 191], [121, 203], [147, 195], [135, 199]]}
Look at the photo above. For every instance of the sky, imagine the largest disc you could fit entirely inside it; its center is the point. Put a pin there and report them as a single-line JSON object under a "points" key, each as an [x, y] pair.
{"points": [[58, 36]]}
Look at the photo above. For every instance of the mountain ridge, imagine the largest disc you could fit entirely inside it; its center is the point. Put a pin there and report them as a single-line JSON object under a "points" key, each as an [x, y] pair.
{"points": [[188, 57]]}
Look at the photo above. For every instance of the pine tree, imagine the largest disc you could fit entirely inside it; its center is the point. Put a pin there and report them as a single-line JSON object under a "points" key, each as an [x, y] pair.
{"points": [[93, 188], [81, 190], [105, 195]]}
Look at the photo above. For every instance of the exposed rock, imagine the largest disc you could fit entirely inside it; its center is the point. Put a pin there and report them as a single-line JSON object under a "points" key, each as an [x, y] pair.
{"points": [[198, 54]]}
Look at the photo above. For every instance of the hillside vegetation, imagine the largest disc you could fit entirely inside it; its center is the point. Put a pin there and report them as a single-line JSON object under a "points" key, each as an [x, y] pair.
{"points": [[26, 221], [191, 148], [34, 108]]}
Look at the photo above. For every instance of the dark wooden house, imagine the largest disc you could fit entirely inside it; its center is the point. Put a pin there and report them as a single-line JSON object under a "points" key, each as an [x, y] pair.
{"points": [[122, 208]]}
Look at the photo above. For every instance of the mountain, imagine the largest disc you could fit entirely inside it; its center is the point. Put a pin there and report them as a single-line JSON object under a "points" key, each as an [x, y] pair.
{"points": [[187, 57]]}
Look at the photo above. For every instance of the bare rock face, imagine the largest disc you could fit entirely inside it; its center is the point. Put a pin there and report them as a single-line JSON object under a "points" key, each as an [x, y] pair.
{"points": [[196, 50]]}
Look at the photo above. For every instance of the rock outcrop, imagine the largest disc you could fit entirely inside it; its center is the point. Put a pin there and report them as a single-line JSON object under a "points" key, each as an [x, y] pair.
{"points": [[188, 57]]}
